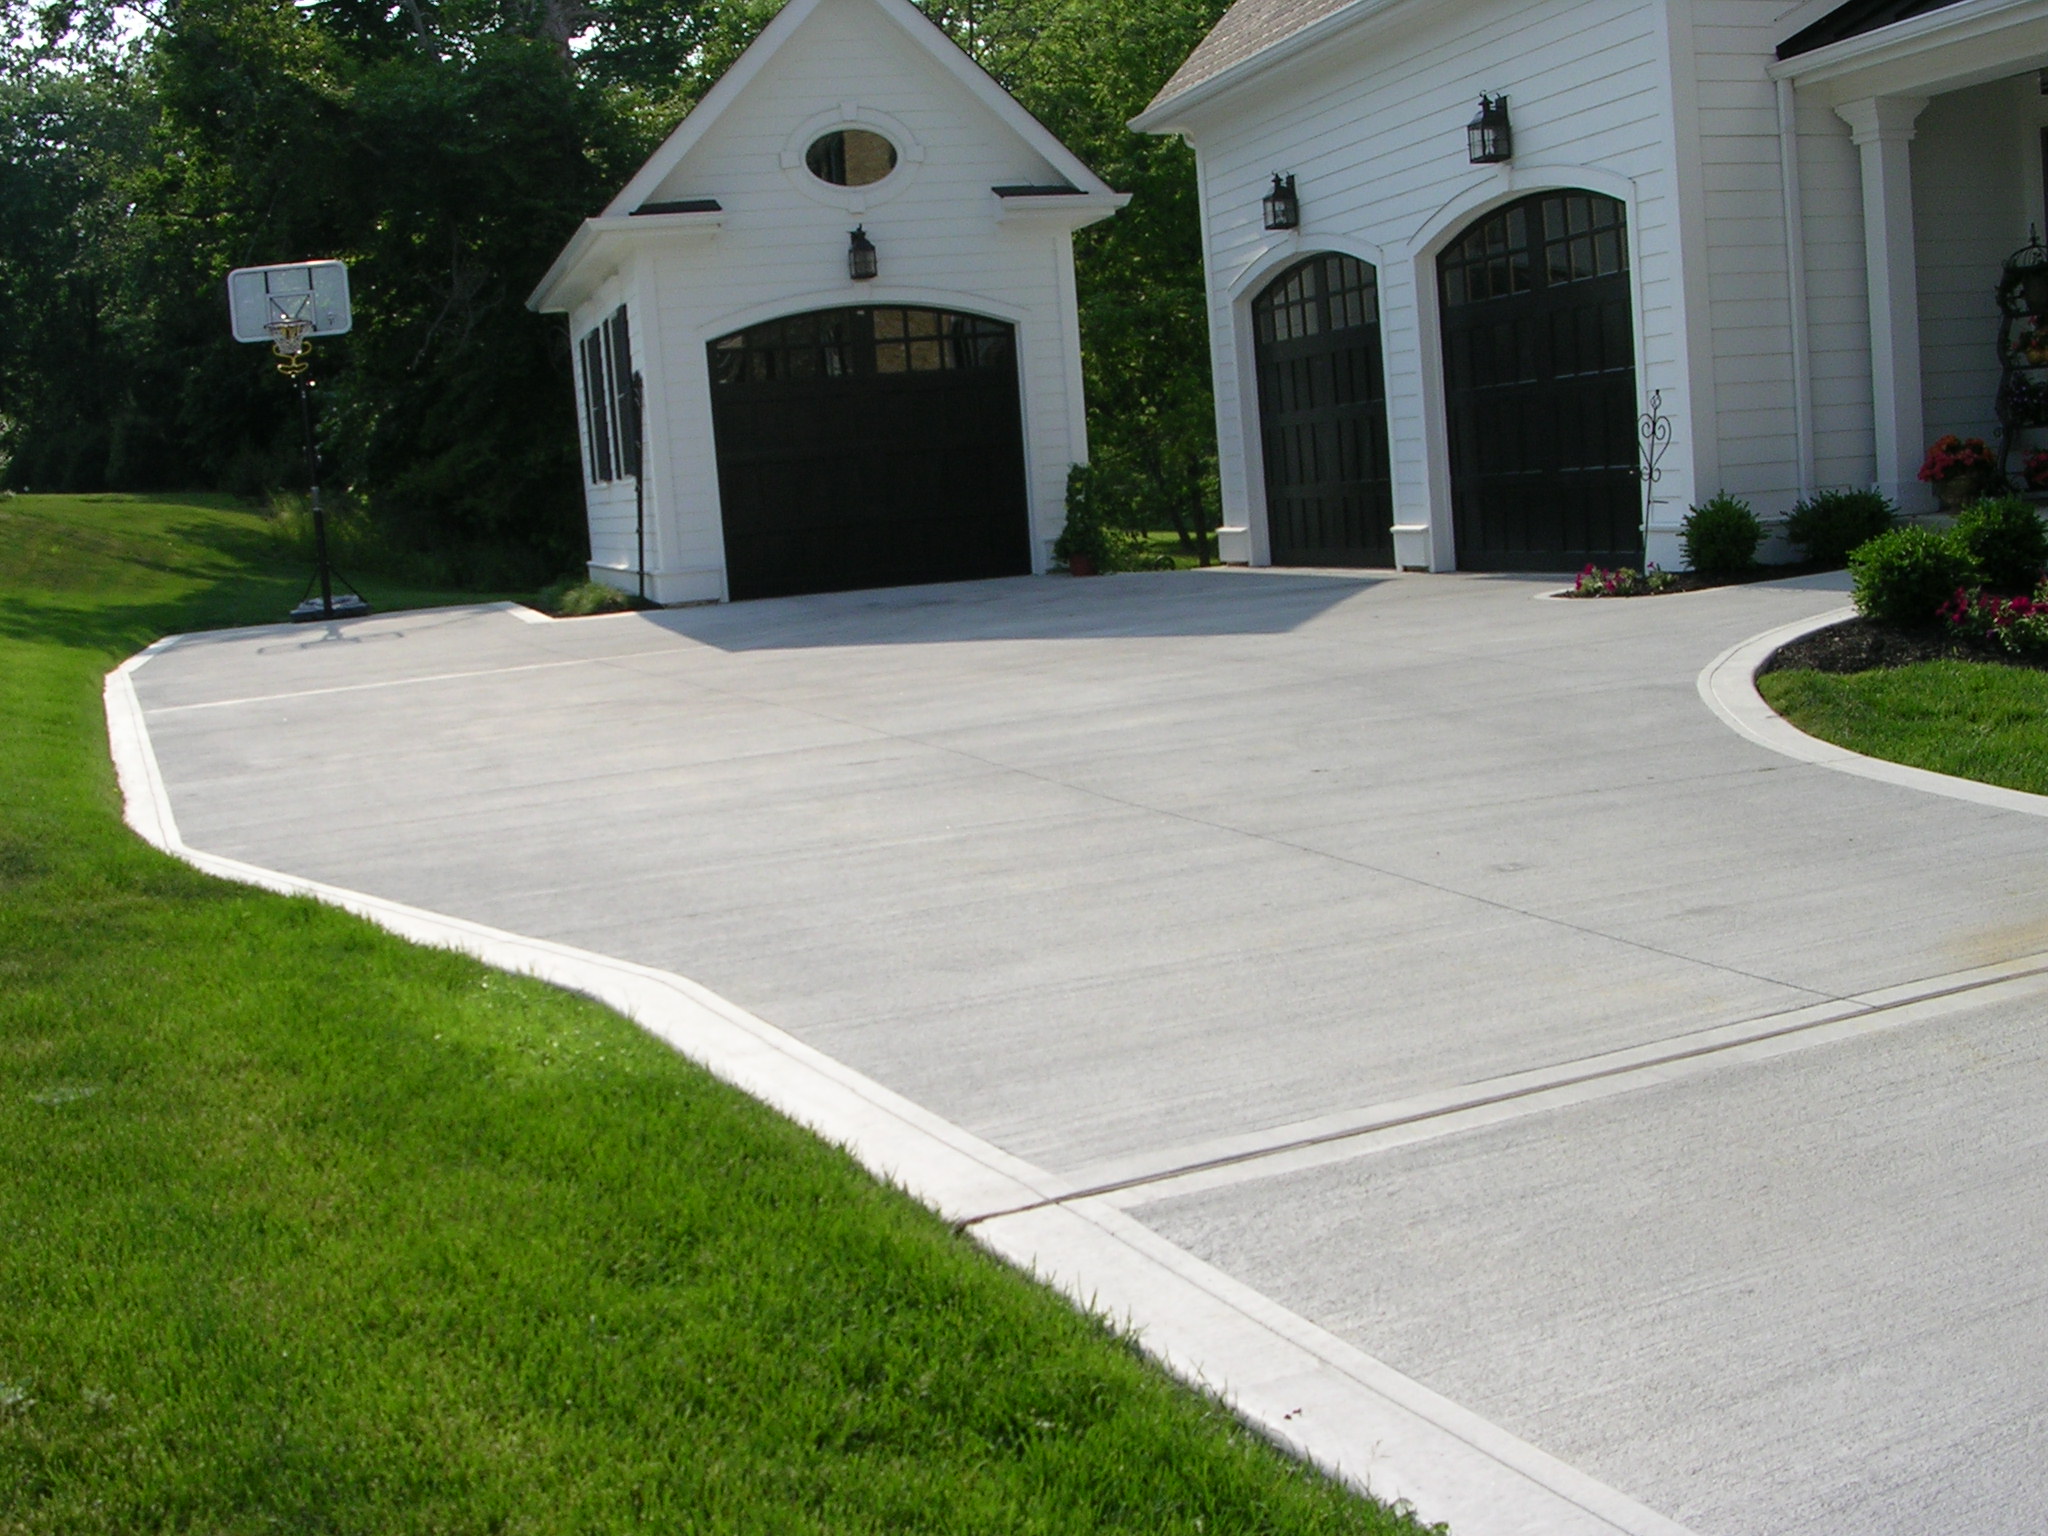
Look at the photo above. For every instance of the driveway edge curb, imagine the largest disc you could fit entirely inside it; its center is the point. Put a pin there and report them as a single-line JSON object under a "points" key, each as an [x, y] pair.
{"points": [[1728, 686]]}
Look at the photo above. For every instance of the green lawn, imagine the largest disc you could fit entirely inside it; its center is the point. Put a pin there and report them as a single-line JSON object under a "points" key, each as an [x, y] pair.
{"points": [[303, 1229], [1977, 720]]}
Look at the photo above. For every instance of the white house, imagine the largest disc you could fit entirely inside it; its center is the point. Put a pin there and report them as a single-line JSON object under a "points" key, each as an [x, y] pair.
{"points": [[1782, 222], [843, 291]]}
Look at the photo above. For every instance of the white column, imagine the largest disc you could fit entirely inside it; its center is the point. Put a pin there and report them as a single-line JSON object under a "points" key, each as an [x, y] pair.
{"points": [[1881, 127]]}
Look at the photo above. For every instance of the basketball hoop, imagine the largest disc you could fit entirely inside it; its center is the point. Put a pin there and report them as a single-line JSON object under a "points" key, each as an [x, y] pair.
{"points": [[286, 306], [289, 345]]}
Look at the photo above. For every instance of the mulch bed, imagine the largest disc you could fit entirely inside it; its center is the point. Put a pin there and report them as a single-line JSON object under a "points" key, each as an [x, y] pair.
{"points": [[1862, 645]]}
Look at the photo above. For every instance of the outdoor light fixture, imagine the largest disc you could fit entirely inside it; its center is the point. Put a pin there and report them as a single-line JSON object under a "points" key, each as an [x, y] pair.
{"points": [[860, 256], [1488, 137], [1283, 208]]}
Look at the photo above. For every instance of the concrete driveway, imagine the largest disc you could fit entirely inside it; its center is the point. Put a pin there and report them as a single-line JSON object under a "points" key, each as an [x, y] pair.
{"points": [[1424, 960]]}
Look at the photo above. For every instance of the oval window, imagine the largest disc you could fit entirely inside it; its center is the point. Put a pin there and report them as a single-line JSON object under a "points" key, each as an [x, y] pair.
{"points": [[850, 157]]}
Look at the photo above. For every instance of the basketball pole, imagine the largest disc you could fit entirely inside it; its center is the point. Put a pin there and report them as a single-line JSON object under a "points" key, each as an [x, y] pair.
{"points": [[320, 560], [294, 357]]}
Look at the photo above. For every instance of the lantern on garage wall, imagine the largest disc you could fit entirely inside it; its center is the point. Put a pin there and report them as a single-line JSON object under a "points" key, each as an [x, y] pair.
{"points": [[1488, 137], [861, 261], [1283, 208]]}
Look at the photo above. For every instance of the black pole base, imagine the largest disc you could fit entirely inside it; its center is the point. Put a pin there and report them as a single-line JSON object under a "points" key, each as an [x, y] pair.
{"points": [[343, 605]]}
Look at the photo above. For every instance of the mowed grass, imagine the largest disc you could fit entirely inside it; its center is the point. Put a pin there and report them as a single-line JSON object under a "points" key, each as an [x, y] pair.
{"points": [[303, 1229], [1976, 720]]}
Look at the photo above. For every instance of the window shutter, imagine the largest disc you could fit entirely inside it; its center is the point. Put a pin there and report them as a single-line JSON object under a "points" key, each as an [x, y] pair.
{"points": [[595, 390], [622, 392]]}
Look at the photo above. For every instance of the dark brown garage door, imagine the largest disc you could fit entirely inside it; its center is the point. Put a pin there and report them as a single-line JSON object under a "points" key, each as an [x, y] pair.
{"points": [[869, 448], [1540, 385], [1323, 415]]}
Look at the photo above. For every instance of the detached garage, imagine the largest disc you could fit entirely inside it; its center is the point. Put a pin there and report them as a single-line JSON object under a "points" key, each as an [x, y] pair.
{"points": [[826, 337]]}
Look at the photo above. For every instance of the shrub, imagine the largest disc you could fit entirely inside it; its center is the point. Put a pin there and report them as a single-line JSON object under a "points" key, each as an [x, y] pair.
{"points": [[1086, 536], [2003, 540], [575, 597], [1720, 536], [1832, 524], [1905, 576], [1091, 532]]}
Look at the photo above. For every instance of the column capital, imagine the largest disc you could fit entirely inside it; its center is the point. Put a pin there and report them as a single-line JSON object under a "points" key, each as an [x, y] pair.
{"points": [[1887, 119]]}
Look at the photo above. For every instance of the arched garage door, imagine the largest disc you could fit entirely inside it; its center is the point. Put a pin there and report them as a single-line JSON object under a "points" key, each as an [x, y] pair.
{"points": [[870, 447], [1540, 386], [1323, 415]]}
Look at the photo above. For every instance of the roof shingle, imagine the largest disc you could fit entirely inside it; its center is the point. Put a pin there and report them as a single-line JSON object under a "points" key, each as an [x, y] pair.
{"points": [[1247, 28]]}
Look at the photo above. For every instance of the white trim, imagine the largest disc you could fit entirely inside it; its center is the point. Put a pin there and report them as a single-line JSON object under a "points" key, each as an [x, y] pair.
{"points": [[1795, 286], [1965, 22], [854, 200], [1300, 1386], [1728, 685]]}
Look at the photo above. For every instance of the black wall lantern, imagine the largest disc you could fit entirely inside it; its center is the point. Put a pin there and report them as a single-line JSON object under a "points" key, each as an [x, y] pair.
{"points": [[1488, 137], [861, 263], [1283, 208]]}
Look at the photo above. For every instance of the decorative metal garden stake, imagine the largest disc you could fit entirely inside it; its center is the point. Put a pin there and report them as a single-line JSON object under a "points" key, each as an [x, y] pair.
{"points": [[1653, 431], [284, 306]]}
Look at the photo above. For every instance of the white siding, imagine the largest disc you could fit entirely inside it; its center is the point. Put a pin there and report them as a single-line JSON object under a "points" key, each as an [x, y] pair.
{"points": [[1373, 128], [1742, 231], [1970, 212]]}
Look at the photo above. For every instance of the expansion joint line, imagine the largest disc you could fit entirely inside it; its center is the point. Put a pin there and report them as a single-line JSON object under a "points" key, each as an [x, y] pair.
{"points": [[1507, 1096]]}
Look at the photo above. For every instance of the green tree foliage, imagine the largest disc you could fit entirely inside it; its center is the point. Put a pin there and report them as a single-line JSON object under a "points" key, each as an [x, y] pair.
{"points": [[446, 149], [1085, 71]]}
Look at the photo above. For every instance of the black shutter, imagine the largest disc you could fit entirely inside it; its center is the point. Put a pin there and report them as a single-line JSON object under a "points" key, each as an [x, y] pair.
{"points": [[595, 388], [622, 393]]}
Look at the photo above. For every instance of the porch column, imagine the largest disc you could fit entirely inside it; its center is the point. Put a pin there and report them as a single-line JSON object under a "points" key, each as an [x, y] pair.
{"points": [[1881, 127]]}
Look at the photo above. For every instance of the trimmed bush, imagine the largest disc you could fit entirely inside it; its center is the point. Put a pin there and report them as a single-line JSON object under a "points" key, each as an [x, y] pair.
{"points": [[1904, 577], [1830, 525], [576, 597], [2003, 540], [1720, 536]]}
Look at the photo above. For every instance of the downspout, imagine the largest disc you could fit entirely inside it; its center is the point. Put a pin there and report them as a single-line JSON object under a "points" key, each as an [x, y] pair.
{"points": [[1795, 278]]}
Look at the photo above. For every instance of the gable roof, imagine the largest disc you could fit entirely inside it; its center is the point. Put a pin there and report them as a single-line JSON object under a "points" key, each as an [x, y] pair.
{"points": [[942, 49], [1248, 28]]}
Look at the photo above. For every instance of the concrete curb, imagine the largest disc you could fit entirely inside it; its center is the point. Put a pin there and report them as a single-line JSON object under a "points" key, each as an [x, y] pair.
{"points": [[1300, 1386], [1728, 685]]}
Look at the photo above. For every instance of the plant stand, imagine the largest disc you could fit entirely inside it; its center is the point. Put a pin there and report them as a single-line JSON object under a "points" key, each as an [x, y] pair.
{"points": [[2022, 360]]}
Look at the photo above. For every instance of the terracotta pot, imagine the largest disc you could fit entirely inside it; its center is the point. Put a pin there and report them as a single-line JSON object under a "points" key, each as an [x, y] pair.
{"points": [[1081, 565]]}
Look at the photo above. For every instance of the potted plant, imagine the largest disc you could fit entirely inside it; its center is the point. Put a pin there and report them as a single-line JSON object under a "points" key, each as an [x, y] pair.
{"points": [[1961, 469], [1086, 544]]}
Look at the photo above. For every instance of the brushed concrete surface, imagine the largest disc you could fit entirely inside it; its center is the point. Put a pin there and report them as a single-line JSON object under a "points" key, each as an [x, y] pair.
{"points": [[1106, 871], [1801, 1297], [1097, 867]]}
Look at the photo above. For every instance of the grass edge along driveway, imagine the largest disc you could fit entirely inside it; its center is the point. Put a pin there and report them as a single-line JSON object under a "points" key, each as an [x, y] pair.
{"points": [[308, 1229], [1969, 719]]}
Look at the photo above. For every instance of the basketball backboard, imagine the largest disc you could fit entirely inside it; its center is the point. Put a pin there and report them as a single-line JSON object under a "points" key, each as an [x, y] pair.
{"points": [[312, 293]]}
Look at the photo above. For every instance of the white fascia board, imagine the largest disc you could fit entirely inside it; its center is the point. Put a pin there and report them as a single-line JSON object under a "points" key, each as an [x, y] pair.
{"points": [[919, 29], [1899, 43], [593, 253], [1166, 116], [1073, 210]]}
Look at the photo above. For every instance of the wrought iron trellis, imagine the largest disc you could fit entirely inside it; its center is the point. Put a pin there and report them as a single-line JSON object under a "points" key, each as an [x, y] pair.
{"points": [[1653, 439]]}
